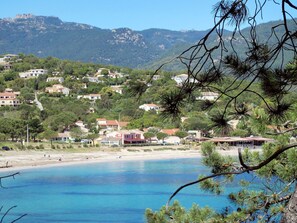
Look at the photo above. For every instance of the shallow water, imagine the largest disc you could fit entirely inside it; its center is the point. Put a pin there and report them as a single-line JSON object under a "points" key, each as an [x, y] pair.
{"points": [[104, 192]]}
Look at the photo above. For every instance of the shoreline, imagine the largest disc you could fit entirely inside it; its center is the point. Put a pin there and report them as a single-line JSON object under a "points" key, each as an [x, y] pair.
{"points": [[21, 160]]}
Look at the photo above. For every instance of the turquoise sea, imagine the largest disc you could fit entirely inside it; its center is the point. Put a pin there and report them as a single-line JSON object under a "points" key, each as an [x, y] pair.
{"points": [[104, 192]]}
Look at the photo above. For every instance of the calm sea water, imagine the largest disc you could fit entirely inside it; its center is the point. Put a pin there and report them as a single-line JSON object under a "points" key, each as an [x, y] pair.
{"points": [[104, 192]]}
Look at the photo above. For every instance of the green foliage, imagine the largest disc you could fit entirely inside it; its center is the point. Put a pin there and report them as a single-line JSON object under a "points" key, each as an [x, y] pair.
{"points": [[181, 134], [14, 128], [198, 122], [61, 121], [148, 135], [212, 158], [47, 134], [161, 135], [10, 75], [76, 133], [211, 185], [176, 213], [27, 94]]}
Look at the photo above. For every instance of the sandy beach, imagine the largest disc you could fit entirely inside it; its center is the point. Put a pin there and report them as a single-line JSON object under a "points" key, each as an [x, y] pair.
{"points": [[17, 160]]}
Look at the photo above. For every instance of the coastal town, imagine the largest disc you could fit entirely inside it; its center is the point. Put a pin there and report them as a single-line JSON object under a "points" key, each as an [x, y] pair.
{"points": [[109, 132]]}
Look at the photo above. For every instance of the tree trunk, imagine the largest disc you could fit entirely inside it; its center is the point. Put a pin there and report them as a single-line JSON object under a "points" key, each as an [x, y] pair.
{"points": [[290, 215]]}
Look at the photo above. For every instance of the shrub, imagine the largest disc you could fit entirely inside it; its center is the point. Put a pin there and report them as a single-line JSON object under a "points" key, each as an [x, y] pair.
{"points": [[30, 147]]}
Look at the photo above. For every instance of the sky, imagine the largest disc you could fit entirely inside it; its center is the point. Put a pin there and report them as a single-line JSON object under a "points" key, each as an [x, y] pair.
{"points": [[134, 14]]}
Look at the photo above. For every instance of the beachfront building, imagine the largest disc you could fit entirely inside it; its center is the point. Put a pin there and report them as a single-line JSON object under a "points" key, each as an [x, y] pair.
{"points": [[123, 137], [63, 137], [251, 142], [171, 140]]}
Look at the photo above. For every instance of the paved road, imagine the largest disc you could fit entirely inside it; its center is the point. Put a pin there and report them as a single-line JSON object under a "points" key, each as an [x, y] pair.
{"points": [[39, 105]]}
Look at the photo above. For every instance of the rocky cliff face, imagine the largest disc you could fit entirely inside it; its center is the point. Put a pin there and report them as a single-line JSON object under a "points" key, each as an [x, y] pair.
{"points": [[28, 22]]}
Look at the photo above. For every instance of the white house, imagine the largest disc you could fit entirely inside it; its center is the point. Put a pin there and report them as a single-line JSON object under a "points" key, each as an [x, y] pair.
{"points": [[91, 97], [195, 133], [93, 79], [149, 107], [64, 137], [117, 89], [7, 57], [58, 79], [32, 73], [179, 79], [172, 140], [115, 75], [58, 88], [182, 78], [210, 96]]}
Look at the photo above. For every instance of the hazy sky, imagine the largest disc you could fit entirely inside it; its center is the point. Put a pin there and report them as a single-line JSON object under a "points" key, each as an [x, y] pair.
{"points": [[134, 14]]}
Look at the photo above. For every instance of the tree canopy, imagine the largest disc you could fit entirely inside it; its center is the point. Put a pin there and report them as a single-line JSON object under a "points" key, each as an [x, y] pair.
{"points": [[255, 66]]}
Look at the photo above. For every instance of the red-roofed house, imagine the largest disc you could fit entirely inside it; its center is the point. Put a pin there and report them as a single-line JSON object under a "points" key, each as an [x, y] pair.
{"points": [[170, 132], [102, 123], [9, 99]]}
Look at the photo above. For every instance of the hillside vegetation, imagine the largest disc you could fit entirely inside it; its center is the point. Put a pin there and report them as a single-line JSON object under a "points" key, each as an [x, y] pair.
{"points": [[60, 111]]}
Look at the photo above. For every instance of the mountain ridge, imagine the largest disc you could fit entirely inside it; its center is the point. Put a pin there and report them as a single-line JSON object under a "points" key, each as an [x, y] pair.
{"points": [[49, 36]]}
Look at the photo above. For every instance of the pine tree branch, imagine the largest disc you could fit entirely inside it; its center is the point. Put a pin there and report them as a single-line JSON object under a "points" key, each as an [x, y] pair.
{"points": [[7, 176], [291, 4], [7, 212], [282, 132], [201, 180], [268, 160], [245, 169]]}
